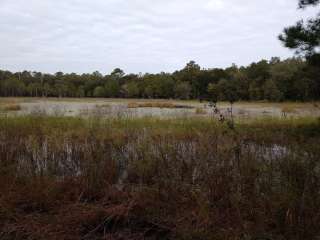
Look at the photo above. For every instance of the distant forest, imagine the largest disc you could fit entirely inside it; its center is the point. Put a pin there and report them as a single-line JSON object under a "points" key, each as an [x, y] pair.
{"points": [[294, 79]]}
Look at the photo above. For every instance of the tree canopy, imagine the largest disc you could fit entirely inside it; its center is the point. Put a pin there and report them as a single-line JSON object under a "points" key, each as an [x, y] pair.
{"points": [[304, 37], [304, 3], [272, 80]]}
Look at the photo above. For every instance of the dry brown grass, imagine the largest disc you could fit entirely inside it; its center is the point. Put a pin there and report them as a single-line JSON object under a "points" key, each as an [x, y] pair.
{"points": [[189, 179], [11, 107], [133, 105], [289, 109]]}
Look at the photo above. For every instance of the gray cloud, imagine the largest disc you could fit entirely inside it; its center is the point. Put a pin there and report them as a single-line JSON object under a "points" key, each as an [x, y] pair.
{"points": [[140, 35]]}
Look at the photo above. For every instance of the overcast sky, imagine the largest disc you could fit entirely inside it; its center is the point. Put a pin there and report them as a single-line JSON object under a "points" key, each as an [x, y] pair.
{"points": [[141, 35]]}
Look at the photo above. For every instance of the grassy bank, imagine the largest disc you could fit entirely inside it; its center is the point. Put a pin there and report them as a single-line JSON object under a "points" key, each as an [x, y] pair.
{"points": [[73, 178]]}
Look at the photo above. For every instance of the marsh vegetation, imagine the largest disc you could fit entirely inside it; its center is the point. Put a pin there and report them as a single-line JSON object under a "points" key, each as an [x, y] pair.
{"points": [[155, 108], [182, 178], [227, 153]]}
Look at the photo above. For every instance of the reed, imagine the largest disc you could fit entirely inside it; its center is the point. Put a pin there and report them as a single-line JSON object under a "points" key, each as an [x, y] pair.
{"points": [[192, 178]]}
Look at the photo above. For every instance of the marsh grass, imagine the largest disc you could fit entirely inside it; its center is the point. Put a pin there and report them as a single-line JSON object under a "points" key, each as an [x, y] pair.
{"points": [[156, 105], [288, 109], [185, 178], [104, 105], [11, 107], [200, 111]]}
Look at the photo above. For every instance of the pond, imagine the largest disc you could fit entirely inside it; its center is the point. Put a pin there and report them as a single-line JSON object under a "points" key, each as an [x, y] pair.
{"points": [[154, 108]]}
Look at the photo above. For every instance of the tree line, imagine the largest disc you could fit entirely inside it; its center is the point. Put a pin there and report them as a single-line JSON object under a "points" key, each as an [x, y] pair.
{"points": [[274, 80], [293, 79]]}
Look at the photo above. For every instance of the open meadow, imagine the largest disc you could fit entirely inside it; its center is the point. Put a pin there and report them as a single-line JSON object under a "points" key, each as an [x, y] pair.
{"points": [[151, 169]]}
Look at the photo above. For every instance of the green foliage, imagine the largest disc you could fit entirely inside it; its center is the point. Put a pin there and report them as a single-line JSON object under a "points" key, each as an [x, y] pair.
{"points": [[80, 92], [272, 92], [112, 88], [131, 90], [214, 92], [158, 85], [295, 78], [255, 92], [191, 74], [99, 92], [182, 90], [304, 3], [303, 37], [117, 73], [228, 91]]}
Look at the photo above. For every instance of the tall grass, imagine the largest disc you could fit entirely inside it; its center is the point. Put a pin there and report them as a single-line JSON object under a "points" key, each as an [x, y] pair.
{"points": [[73, 178]]}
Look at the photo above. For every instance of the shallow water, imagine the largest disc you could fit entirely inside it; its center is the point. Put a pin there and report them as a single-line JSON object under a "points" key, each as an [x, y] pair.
{"points": [[115, 108]]}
